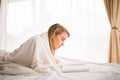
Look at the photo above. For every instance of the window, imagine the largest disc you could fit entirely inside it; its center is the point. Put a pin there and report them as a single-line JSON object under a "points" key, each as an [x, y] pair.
{"points": [[86, 20]]}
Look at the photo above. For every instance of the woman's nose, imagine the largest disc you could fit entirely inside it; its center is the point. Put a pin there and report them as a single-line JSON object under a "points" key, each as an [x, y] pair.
{"points": [[62, 44]]}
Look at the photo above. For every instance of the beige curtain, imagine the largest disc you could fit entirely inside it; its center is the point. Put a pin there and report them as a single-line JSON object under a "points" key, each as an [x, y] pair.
{"points": [[113, 11]]}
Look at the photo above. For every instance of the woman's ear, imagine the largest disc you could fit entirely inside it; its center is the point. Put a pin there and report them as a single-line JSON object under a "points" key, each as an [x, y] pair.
{"points": [[52, 36]]}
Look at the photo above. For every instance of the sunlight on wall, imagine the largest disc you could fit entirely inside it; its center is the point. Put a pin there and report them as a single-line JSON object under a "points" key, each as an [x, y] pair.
{"points": [[21, 19], [58, 8]]}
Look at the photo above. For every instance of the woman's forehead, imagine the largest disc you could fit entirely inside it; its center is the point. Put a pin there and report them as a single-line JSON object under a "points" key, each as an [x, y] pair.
{"points": [[64, 35]]}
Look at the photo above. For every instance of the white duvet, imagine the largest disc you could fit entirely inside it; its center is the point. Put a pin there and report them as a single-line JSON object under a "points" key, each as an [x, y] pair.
{"points": [[34, 53]]}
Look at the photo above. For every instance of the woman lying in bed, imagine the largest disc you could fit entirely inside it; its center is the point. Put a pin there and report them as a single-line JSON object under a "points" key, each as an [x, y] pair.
{"points": [[38, 51]]}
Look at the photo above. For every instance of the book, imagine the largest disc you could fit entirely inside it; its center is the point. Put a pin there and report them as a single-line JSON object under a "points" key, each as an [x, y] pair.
{"points": [[74, 68]]}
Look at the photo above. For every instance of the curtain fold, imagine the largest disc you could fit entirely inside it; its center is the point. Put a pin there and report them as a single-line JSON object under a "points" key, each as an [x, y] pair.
{"points": [[0, 3], [113, 11], [3, 21]]}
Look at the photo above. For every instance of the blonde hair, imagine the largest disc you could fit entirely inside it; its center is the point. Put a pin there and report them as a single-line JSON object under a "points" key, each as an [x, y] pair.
{"points": [[56, 29]]}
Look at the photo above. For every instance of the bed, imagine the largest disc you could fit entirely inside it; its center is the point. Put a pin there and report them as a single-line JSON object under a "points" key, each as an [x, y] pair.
{"points": [[74, 70]]}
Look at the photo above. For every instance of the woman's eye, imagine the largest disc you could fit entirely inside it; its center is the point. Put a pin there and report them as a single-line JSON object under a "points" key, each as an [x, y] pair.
{"points": [[63, 39]]}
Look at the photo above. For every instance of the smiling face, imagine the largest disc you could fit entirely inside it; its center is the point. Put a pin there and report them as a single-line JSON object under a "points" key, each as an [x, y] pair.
{"points": [[58, 40]]}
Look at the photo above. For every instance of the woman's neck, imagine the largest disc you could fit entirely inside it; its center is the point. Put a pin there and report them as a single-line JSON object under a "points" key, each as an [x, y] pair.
{"points": [[53, 52]]}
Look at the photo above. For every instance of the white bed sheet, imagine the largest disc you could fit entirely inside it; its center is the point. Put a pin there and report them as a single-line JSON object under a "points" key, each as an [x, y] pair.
{"points": [[97, 71]]}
